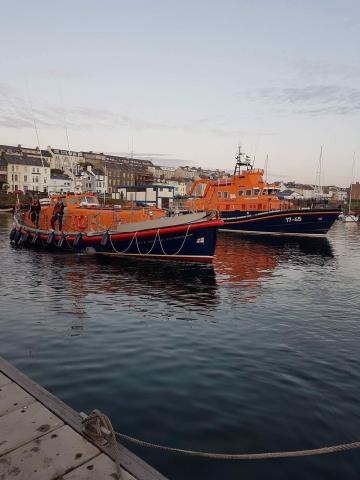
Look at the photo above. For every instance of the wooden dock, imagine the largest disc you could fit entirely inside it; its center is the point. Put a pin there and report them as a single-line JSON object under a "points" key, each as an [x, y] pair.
{"points": [[42, 438]]}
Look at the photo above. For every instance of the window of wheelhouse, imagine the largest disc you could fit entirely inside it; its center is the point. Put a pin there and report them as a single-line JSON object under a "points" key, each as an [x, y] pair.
{"points": [[70, 201], [226, 194], [256, 191], [219, 194], [241, 193], [248, 193]]}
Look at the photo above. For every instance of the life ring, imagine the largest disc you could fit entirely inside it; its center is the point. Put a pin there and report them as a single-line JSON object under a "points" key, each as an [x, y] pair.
{"points": [[82, 222]]}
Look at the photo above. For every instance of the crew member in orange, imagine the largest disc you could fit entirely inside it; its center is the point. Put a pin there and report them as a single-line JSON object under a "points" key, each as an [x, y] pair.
{"points": [[34, 213], [58, 214]]}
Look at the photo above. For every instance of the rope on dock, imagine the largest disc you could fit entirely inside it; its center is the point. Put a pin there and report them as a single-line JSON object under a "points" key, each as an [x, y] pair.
{"points": [[244, 456], [98, 426], [102, 424]]}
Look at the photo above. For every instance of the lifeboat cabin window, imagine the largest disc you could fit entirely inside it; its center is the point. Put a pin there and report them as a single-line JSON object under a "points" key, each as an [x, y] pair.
{"points": [[226, 194], [241, 192], [89, 201], [248, 193], [256, 191], [219, 194]]}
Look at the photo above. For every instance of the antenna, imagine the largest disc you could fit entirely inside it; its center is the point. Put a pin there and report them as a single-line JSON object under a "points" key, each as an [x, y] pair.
{"points": [[65, 122], [318, 173], [36, 131], [266, 167], [351, 182]]}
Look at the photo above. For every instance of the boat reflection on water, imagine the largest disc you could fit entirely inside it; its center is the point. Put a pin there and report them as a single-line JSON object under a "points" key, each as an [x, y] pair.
{"points": [[251, 260], [130, 285]]}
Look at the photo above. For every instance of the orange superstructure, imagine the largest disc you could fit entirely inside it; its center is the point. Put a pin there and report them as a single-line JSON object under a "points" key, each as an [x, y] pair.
{"points": [[83, 212], [245, 191]]}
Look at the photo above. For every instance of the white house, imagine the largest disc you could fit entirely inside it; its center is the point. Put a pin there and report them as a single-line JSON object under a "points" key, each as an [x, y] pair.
{"points": [[85, 180], [161, 196], [179, 187], [27, 173], [60, 183], [65, 160], [101, 183]]}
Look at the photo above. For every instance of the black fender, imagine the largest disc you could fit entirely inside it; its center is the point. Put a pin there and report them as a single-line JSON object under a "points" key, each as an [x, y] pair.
{"points": [[34, 239], [17, 236], [61, 240], [77, 240], [105, 239], [12, 234], [51, 238]]}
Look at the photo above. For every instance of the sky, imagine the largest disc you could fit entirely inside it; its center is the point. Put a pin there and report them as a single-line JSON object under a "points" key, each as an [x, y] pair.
{"points": [[185, 82]]}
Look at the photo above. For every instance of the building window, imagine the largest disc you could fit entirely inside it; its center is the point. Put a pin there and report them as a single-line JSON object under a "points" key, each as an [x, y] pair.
{"points": [[16, 178], [25, 178]]}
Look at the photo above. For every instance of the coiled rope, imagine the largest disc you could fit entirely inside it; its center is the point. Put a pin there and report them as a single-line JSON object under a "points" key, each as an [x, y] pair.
{"points": [[98, 426]]}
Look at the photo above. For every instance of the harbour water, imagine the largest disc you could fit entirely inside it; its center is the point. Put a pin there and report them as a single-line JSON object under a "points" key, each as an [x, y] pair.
{"points": [[259, 352]]}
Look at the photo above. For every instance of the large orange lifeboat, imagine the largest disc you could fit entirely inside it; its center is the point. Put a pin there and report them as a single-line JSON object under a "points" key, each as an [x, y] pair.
{"points": [[78, 223], [249, 204]]}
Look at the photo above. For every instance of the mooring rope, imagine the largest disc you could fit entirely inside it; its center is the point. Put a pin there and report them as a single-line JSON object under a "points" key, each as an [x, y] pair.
{"points": [[95, 425], [99, 425], [243, 456]]}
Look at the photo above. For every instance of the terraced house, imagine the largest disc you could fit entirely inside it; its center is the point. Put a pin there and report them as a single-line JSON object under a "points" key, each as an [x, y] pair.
{"points": [[26, 174]]}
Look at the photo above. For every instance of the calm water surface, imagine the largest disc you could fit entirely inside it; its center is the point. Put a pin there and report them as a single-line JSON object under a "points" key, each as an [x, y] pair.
{"points": [[259, 352]]}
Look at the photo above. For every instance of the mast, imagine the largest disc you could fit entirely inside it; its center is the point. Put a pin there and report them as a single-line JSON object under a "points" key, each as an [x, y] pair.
{"points": [[37, 135], [266, 167], [351, 183], [38, 144], [240, 163], [71, 160], [318, 173]]}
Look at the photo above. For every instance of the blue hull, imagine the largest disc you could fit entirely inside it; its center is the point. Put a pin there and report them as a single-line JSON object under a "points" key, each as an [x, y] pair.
{"points": [[192, 242], [195, 245], [288, 222]]}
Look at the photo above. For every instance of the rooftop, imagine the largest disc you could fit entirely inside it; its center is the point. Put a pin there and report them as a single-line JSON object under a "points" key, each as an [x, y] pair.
{"points": [[25, 160]]}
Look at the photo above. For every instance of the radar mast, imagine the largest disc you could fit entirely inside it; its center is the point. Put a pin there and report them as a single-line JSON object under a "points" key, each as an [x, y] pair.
{"points": [[242, 162]]}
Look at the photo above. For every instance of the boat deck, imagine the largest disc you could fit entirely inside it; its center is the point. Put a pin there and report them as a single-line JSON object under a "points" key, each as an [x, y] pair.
{"points": [[41, 438]]}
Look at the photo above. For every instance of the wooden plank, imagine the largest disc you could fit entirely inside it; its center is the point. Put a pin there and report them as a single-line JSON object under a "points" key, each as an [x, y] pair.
{"points": [[26, 424], [4, 380], [133, 464], [101, 467], [47, 457], [13, 397]]}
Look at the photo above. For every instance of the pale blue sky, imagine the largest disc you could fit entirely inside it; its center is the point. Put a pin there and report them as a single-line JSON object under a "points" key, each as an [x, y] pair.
{"points": [[187, 81]]}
